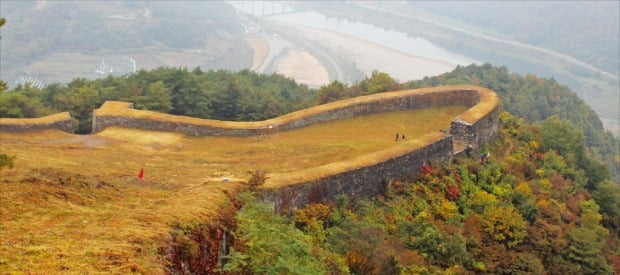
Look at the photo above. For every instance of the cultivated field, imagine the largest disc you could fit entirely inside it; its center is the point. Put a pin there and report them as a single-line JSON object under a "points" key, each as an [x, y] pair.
{"points": [[74, 204]]}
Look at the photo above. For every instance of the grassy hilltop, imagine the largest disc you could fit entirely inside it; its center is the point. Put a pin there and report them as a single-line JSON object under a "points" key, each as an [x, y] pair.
{"points": [[73, 203]]}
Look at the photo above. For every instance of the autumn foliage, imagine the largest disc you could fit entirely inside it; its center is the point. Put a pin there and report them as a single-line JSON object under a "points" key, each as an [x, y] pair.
{"points": [[530, 210]]}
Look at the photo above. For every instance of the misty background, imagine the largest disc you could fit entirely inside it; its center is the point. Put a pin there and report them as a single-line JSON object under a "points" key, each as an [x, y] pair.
{"points": [[576, 43]]}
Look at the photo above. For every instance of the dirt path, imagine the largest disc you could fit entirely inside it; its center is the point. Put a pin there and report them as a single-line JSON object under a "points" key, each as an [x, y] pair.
{"points": [[88, 141]]}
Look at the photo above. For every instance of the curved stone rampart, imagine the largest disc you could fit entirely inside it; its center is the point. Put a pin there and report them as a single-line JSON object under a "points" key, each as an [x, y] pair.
{"points": [[362, 177], [121, 114], [59, 121], [478, 125]]}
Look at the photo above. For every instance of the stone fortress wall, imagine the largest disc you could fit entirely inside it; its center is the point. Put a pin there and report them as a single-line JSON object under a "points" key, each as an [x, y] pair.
{"points": [[362, 177], [122, 114], [59, 121]]}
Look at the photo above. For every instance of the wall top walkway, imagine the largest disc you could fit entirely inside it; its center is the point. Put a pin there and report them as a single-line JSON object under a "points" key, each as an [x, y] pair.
{"points": [[59, 121], [39, 120], [486, 102]]}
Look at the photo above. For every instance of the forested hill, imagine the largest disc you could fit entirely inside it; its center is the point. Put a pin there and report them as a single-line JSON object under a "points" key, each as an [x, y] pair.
{"points": [[520, 212], [537, 99]]}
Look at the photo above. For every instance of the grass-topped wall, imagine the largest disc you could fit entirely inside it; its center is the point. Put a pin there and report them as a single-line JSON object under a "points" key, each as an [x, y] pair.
{"points": [[364, 176], [482, 100], [60, 121]]}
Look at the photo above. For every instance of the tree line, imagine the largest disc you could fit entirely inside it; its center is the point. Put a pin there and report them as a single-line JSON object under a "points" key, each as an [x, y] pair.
{"points": [[221, 95]]}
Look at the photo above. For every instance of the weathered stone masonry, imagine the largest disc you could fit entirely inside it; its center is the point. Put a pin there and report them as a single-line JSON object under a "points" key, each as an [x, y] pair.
{"points": [[477, 133], [59, 121], [362, 182]]}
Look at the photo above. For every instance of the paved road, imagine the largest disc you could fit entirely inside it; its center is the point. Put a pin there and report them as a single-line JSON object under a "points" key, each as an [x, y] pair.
{"points": [[567, 58]]}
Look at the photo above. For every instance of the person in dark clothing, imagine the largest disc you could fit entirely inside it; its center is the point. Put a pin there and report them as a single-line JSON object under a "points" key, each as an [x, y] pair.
{"points": [[403, 136], [484, 157], [396, 136], [469, 150]]}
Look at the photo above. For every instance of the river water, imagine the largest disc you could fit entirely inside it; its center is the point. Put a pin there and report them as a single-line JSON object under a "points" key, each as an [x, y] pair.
{"points": [[388, 38], [391, 39]]}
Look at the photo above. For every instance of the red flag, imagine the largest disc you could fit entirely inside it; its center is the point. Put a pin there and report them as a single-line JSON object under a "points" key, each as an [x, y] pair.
{"points": [[141, 174]]}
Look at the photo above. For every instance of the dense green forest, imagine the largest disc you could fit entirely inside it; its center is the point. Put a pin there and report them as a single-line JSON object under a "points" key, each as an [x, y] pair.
{"points": [[221, 95], [527, 210]]}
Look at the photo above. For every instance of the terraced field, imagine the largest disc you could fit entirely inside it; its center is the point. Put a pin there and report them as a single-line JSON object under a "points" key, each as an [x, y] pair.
{"points": [[74, 204]]}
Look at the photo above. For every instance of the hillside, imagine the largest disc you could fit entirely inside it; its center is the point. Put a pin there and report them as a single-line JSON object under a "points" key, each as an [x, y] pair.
{"points": [[521, 211], [84, 186], [537, 99], [74, 203]]}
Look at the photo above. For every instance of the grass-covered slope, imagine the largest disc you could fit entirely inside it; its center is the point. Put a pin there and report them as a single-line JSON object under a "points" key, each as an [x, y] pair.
{"points": [[74, 203]]}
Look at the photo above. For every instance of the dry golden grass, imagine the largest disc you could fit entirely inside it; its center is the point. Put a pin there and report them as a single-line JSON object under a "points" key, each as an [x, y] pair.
{"points": [[39, 120], [488, 102], [72, 204], [370, 159]]}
